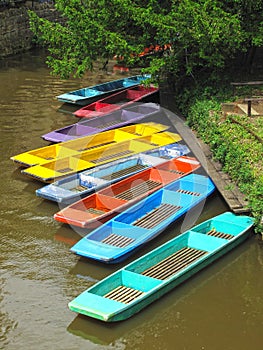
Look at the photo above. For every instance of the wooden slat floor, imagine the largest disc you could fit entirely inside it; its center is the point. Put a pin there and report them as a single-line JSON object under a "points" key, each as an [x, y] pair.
{"points": [[124, 294], [174, 263], [138, 190], [157, 215], [124, 172]]}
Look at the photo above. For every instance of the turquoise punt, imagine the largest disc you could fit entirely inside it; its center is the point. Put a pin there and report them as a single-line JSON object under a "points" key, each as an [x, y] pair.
{"points": [[130, 289]]}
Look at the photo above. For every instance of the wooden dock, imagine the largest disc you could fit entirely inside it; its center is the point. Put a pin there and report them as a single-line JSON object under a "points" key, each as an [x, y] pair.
{"points": [[229, 191]]}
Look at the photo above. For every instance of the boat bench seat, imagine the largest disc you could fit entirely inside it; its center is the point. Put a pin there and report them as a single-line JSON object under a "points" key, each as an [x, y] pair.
{"points": [[105, 106], [89, 181], [134, 94]]}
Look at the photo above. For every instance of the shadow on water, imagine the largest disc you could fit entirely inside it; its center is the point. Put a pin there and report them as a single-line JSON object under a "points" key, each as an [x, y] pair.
{"points": [[69, 109]]}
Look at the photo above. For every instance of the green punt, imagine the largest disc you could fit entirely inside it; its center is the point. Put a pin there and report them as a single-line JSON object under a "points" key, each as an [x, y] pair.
{"points": [[130, 289]]}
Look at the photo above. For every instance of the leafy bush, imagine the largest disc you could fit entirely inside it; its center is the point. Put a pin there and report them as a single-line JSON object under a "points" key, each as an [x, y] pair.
{"points": [[239, 151]]}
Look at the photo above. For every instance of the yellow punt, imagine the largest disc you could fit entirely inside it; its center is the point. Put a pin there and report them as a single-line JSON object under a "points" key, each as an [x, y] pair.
{"points": [[54, 170], [66, 149]]}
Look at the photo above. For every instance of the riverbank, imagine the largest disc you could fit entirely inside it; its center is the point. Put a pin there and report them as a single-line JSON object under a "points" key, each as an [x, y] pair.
{"points": [[235, 142]]}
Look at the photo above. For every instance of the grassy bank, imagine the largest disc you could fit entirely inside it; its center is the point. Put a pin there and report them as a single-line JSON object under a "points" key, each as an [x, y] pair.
{"points": [[235, 141]]}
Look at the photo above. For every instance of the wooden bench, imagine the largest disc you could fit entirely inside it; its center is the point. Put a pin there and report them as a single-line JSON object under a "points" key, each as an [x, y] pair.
{"points": [[249, 83], [248, 99], [249, 103], [246, 83]]}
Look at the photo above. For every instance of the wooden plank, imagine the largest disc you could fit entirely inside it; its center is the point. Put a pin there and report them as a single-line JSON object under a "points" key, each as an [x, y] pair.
{"points": [[138, 190], [174, 263], [99, 160], [78, 188], [124, 172], [106, 125], [117, 240], [96, 146], [157, 215], [64, 170], [247, 99], [174, 171], [247, 83], [124, 294], [95, 211], [188, 192], [218, 234]]}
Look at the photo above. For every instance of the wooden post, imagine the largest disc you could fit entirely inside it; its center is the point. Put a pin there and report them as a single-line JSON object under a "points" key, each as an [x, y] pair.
{"points": [[249, 108]]}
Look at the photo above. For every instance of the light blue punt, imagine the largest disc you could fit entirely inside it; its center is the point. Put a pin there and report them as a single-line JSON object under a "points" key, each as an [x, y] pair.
{"points": [[119, 237], [89, 94]]}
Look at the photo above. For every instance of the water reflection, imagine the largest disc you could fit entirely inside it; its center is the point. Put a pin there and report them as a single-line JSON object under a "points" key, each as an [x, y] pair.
{"points": [[7, 324], [68, 109]]}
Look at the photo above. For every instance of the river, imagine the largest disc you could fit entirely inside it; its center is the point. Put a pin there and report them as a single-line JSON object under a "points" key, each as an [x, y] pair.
{"points": [[219, 308]]}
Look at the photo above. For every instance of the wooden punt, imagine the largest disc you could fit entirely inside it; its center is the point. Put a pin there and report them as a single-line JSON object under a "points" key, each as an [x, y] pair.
{"points": [[72, 188], [103, 205], [74, 147], [136, 285], [117, 101], [144, 220], [91, 94], [109, 121], [56, 169]]}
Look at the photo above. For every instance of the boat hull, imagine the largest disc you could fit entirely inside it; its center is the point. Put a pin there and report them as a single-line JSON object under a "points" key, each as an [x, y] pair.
{"points": [[117, 101], [113, 120], [120, 237], [60, 168], [80, 185], [92, 93], [100, 140], [103, 205], [138, 284]]}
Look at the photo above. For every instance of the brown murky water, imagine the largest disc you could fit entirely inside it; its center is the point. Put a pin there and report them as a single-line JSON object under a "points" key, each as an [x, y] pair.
{"points": [[220, 308]]}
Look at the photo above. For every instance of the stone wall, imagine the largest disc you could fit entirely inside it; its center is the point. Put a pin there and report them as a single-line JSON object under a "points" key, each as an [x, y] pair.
{"points": [[15, 35]]}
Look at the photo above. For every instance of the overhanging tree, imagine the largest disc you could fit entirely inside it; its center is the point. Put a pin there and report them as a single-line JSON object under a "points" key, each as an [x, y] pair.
{"points": [[203, 34]]}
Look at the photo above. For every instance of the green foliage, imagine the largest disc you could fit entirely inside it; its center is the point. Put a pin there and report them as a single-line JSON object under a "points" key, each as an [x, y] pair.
{"points": [[234, 146], [204, 34]]}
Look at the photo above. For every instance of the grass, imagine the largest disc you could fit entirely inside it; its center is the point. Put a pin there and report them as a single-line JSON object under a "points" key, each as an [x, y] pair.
{"points": [[235, 141]]}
